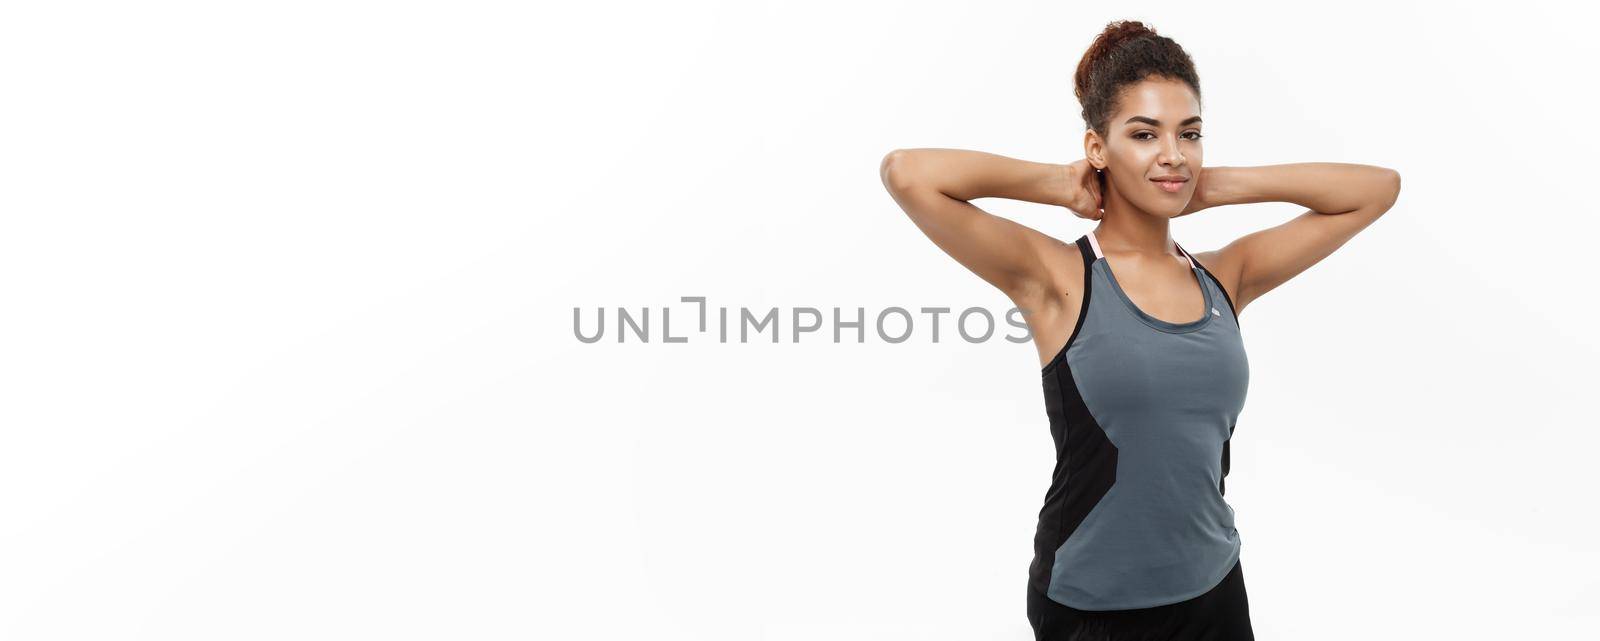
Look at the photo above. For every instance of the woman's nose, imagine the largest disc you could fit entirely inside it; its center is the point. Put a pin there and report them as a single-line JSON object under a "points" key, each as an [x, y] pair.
{"points": [[1171, 155]]}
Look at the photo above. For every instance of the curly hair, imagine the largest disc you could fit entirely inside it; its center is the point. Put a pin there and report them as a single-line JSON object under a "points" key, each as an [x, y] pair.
{"points": [[1125, 53]]}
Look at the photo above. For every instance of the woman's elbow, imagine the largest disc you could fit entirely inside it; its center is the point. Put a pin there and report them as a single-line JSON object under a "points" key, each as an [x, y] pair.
{"points": [[893, 170], [1393, 183]]}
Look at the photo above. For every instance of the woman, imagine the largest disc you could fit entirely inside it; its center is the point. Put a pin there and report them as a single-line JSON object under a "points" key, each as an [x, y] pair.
{"points": [[1144, 370]]}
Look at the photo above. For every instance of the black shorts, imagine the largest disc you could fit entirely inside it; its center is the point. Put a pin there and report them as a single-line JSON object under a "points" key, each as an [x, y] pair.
{"points": [[1221, 614]]}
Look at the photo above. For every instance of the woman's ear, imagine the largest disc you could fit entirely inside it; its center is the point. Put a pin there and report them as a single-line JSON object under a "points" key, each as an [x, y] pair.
{"points": [[1094, 149]]}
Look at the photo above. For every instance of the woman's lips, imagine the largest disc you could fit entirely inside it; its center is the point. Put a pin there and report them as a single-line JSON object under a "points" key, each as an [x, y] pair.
{"points": [[1170, 186]]}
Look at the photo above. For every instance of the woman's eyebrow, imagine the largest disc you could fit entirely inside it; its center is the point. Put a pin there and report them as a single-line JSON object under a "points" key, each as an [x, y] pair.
{"points": [[1157, 123]]}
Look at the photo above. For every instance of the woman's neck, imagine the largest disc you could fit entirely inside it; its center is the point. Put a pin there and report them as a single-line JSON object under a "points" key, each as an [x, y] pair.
{"points": [[1134, 232]]}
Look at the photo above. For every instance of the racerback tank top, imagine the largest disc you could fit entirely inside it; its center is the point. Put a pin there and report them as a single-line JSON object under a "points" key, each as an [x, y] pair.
{"points": [[1141, 411]]}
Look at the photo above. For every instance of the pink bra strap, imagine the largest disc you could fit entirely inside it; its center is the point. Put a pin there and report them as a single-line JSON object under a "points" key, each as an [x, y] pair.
{"points": [[1185, 254]]}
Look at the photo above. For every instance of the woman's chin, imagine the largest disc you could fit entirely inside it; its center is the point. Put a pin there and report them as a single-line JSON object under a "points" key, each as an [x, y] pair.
{"points": [[1168, 209], [1171, 209]]}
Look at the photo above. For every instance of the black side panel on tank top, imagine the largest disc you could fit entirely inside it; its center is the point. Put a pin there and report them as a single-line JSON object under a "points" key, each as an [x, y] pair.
{"points": [[1086, 460]]}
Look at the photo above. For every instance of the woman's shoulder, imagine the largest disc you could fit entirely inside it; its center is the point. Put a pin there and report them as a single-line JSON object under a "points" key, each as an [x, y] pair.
{"points": [[1223, 266]]}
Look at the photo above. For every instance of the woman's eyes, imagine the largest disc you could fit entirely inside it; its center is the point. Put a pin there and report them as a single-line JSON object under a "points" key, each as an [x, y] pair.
{"points": [[1136, 136]]}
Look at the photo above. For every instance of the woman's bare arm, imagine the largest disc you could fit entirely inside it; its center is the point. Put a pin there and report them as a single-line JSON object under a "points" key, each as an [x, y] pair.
{"points": [[933, 187], [1342, 198]]}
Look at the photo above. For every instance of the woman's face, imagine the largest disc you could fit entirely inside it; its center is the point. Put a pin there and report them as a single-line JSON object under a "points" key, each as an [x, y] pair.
{"points": [[1155, 133]]}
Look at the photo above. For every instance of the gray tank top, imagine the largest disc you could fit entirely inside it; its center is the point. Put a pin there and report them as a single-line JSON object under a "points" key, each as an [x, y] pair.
{"points": [[1141, 411]]}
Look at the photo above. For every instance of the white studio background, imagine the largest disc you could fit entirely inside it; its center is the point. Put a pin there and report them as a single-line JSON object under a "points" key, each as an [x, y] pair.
{"points": [[288, 319]]}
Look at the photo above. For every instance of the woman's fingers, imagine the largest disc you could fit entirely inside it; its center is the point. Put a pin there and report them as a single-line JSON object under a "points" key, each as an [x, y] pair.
{"points": [[1088, 202]]}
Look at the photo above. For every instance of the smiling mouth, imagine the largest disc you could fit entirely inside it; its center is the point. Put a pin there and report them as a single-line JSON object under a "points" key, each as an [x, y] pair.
{"points": [[1170, 186]]}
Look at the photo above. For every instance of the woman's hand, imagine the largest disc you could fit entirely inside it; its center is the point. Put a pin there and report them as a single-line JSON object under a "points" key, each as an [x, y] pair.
{"points": [[1083, 191]]}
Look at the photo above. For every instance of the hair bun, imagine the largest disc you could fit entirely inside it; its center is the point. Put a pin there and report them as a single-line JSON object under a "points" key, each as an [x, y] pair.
{"points": [[1125, 52], [1115, 33]]}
